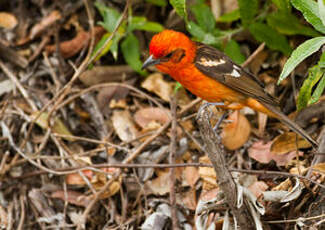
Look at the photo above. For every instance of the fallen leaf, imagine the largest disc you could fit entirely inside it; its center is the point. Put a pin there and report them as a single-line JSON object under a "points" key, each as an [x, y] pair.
{"points": [[262, 153], [123, 125], [235, 133], [286, 142], [189, 199], [155, 83], [72, 197], [258, 187], [143, 117], [58, 127], [320, 167], [207, 175], [8, 20], [72, 47], [101, 74], [44, 24], [160, 185], [191, 175]]}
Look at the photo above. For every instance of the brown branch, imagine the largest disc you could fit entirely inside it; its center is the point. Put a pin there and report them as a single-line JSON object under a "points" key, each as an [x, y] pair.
{"points": [[225, 180], [173, 145]]}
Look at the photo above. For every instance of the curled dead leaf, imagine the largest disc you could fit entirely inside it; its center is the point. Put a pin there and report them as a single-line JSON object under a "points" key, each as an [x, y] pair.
{"points": [[44, 24], [123, 125], [236, 133], [143, 117], [155, 83], [286, 142]]}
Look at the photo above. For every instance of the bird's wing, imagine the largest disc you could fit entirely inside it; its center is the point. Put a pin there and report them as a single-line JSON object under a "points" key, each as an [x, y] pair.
{"points": [[218, 66]]}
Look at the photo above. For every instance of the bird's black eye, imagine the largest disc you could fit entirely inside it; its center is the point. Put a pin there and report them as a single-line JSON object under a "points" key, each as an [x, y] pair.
{"points": [[169, 55]]}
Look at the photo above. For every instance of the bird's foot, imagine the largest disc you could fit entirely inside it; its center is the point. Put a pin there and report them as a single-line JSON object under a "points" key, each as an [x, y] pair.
{"points": [[202, 107]]}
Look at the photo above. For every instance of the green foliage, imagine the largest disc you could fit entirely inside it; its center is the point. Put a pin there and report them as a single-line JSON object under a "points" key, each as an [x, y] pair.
{"points": [[230, 17], [204, 17], [288, 24], [305, 94], [130, 44], [248, 10], [180, 7], [310, 10], [272, 38], [232, 49], [158, 2], [301, 53]]}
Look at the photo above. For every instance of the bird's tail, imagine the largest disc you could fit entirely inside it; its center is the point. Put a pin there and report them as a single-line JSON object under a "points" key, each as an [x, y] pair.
{"points": [[292, 125]]}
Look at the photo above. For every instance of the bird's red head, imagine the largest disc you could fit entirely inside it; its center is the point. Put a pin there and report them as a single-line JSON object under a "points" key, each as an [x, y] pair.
{"points": [[170, 49]]}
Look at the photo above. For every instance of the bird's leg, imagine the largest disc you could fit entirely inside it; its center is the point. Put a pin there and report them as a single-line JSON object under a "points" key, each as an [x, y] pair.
{"points": [[223, 116], [210, 103]]}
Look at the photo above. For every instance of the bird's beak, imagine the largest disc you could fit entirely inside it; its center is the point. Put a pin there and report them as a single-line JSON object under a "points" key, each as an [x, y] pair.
{"points": [[150, 61]]}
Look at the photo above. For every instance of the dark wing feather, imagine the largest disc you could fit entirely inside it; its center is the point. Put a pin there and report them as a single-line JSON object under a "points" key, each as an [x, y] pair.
{"points": [[217, 65]]}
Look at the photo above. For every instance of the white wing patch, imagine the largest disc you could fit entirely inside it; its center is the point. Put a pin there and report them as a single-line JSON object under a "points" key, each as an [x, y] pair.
{"points": [[210, 63], [235, 73]]}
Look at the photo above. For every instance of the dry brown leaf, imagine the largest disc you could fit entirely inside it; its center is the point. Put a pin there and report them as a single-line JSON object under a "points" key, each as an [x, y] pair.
{"points": [[44, 24], [58, 126], [8, 20], [191, 175], [155, 83], [286, 142], [97, 179], [3, 218], [189, 199], [320, 167], [262, 153], [101, 74], [208, 175], [143, 117], [236, 133], [123, 125], [160, 185], [258, 187], [72, 197], [72, 47]]}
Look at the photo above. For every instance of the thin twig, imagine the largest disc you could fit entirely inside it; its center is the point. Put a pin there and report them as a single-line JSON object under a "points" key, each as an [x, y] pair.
{"points": [[172, 153]]}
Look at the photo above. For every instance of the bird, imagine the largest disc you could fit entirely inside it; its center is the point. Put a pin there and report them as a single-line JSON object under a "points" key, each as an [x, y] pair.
{"points": [[211, 75]]}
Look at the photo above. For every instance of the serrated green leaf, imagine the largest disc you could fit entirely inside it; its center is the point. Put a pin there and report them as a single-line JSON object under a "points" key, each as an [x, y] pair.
{"points": [[232, 49], [283, 5], [230, 17], [305, 91], [100, 44], [141, 23], [131, 52], [299, 54], [204, 16], [309, 9], [161, 3], [289, 24], [321, 11], [272, 38], [180, 7], [196, 31], [247, 10]]}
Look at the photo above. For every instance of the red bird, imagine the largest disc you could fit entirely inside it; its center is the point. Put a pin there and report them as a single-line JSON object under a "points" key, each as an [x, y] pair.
{"points": [[213, 76]]}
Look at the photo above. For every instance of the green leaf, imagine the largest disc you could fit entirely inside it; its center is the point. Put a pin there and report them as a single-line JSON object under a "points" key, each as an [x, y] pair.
{"points": [[110, 16], [283, 5], [230, 17], [141, 23], [289, 24], [272, 38], [321, 11], [232, 49], [321, 61], [299, 54], [180, 7], [309, 9], [200, 35], [131, 52], [305, 91], [204, 16], [318, 91], [177, 87], [161, 3], [248, 10]]}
